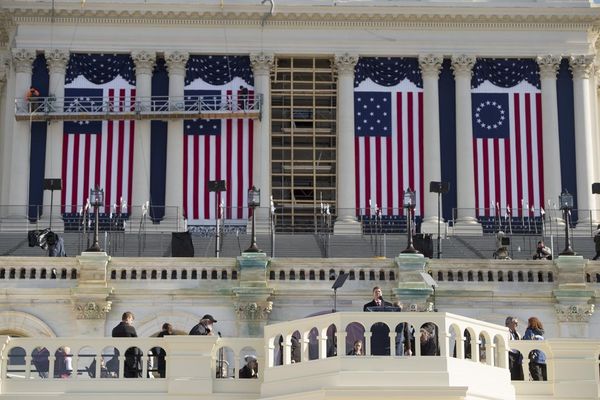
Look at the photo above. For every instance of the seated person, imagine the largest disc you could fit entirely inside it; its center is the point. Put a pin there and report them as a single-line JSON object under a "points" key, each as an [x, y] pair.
{"points": [[250, 370], [542, 252], [356, 349], [428, 340]]}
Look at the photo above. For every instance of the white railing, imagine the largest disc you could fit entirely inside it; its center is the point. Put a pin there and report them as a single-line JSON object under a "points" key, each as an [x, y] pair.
{"points": [[127, 107]]}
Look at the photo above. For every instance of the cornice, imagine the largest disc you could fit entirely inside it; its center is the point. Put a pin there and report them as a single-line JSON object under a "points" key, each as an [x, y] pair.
{"points": [[342, 17]]}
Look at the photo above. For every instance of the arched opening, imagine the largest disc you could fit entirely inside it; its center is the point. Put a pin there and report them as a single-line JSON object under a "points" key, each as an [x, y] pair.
{"points": [[380, 339], [428, 339], [86, 363]]}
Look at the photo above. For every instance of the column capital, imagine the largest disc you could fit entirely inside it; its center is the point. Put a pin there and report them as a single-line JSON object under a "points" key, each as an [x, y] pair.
{"points": [[345, 63], [463, 64], [144, 61], [176, 61], [23, 59], [549, 65], [582, 66], [431, 64], [262, 63], [57, 60]]}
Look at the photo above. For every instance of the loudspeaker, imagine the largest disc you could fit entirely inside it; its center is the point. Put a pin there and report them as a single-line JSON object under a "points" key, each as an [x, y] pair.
{"points": [[505, 241], [423, 243], [53, 184], [181, 244], [439, 187], [216, 186], [596, 188]]}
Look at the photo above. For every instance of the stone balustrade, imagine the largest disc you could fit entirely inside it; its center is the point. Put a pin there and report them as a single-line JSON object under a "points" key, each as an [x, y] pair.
{"points": [[473, 358]]}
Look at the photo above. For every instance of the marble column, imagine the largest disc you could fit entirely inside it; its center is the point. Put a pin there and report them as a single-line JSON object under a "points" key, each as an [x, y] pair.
{"points": [[18, 186], [582, 67], [57, 61], [4, 67], [431, 65], [466, 222], [346, 222], [176, 62], [262, 65], [551, 145], [144, 64]]}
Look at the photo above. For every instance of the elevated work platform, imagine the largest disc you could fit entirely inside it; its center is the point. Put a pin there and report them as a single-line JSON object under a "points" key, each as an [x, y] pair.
{"points": [[138, 108]]}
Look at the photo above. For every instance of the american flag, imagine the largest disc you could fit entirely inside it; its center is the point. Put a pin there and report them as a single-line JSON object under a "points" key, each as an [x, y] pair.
{"points": [[216, 150], [507, 137], [98, 152], [388, 107]]}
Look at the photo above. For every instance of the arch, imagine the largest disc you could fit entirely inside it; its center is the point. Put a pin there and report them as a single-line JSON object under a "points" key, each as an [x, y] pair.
{"points": [[479, 276], [455, 341], [213, 274], [510, 276], [371, 275], [354, 331], [470, 276], [404, 342], [321, 275], [459, 276], [163, 274], [382, 275], [24, 324], [110, 359], [468, 335], [485, 353], [302, 275], [276, 343], [311, 275], [500, 352], [282, 275], [392, 276], [450, 276], [86, 362], [551, 277], [113, 274], [331, 333], [174, 274], [73, 273], [204, 274], [361, 275], [134, 274], [123, 274], [313, 344], [194, 274], [540, 276], [292, 275], [440, 275], [332, 274], [225, 362], [33, 272], [428, 339], [244, 352], [184, 274], [500, 276], [271, 275], [224, 274], [15, 365], [234, 275], [380, 339]]}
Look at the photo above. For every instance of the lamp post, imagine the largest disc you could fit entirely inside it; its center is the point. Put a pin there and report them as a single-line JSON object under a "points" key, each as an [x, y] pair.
{"points": [[409, 203], [566, 204], [96, 200], [253, 202]]}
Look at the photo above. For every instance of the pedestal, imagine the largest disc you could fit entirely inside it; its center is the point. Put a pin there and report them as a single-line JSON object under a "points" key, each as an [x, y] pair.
{"points": [[412, 291], [252, 304]]}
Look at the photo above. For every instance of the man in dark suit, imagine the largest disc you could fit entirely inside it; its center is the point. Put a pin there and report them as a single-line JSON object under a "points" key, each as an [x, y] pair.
{"points": [[133, 355], [377, 300], [380, 340]]}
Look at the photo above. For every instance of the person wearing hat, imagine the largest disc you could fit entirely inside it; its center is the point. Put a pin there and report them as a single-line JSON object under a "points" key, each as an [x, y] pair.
{"points": [[204, 327], [250, 370]]}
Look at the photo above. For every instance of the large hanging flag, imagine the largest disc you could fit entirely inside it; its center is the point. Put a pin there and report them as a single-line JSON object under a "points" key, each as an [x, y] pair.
{"points": [[388, 120], [507, 137], [98, 152], [218, 149]]}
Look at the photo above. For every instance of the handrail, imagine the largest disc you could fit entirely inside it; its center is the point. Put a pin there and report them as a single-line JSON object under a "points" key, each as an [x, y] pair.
{"points": [[129, 107]]}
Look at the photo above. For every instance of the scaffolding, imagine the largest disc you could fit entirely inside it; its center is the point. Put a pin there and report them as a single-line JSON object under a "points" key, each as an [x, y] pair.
{"points": [[235, 106]]}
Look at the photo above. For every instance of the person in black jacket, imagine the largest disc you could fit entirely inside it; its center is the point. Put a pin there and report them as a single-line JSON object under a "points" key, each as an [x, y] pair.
{"points": [[204, 327], [133, 355], [377, 300], [250, 370]]}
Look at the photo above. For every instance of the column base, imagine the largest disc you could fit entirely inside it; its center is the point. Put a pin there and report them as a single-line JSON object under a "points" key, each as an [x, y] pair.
{"points": [[430, 225], [584, 228], [467, 226], [18, 224], [347, 226]]}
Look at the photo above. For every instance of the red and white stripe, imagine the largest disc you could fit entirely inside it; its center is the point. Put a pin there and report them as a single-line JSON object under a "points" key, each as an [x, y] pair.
{"points": [[105, 159], [386, 166], [510, 172], [227, 156]]}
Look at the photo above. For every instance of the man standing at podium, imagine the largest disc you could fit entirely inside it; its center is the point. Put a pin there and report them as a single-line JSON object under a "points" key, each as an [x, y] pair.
{"points": [[377, 300]]}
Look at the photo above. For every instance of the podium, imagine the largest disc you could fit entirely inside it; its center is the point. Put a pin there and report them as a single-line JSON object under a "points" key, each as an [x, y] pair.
{"points": [[384, 309]]}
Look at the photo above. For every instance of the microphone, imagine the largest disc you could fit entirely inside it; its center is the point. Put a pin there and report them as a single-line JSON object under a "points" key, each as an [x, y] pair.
{"points": [[219, 333], [382, 302]]}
